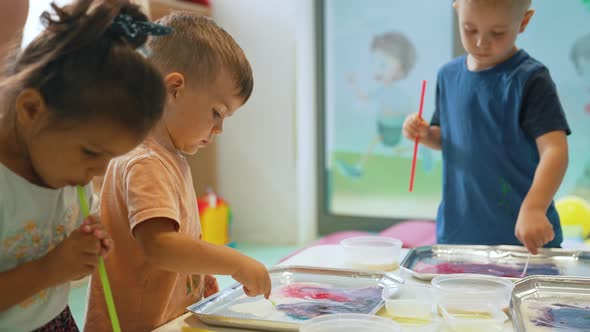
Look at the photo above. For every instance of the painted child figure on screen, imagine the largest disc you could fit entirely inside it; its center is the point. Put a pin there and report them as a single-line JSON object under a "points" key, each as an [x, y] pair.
{"points": [[393, 56], [160, 264], [503, 134]]}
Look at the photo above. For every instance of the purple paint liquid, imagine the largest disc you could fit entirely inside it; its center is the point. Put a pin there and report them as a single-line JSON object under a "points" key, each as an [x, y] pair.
{"points": [[309, 292], [564, 316], [323, 300], [308, 310], [499, 270]]}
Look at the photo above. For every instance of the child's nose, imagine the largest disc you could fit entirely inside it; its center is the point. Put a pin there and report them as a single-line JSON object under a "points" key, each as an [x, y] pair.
{"points": [[482, 41], [218, 128]]}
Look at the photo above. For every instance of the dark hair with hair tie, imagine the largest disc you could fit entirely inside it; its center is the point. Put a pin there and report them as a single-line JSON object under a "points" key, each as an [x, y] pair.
{"points": [[85, 65], [125, 25]]}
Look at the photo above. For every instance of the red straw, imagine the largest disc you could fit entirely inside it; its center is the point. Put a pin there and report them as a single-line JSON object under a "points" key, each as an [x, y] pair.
{"points": [[416, 143]]}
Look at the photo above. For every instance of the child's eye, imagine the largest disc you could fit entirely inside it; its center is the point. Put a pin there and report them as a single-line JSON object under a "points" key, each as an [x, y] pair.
{"points": [[469, 29], [498, 34], [90, 153], [216, 114]]}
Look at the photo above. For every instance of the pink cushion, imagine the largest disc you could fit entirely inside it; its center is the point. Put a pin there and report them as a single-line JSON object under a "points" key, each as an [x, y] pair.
{"points": [[333, 238], [413, 233]]}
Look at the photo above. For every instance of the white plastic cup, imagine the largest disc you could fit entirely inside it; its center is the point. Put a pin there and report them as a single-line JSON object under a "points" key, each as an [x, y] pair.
{"points": [[410, 301], [372, 253], [466, 316], [473, 287]]}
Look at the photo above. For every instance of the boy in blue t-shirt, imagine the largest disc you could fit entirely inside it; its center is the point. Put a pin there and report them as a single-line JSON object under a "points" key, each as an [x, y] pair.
{"points": [[502, 132]]}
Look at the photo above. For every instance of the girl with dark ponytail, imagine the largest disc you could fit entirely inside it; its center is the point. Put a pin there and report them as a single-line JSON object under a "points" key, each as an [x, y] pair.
{"points": [[75, 97]]}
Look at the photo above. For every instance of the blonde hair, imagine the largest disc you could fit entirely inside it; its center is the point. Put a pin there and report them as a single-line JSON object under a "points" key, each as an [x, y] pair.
{"points": [[201, 49], [523, 5]]}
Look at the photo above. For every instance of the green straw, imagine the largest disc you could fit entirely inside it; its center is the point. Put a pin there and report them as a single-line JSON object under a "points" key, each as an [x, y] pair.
{"points": [[102, 271]]}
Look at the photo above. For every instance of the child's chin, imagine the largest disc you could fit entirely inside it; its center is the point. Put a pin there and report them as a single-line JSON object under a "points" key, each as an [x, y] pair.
{"points": [[192, 150]]}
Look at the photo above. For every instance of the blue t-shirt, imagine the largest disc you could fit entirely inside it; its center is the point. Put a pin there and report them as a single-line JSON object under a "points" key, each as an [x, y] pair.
{"points": [[489, 121]]}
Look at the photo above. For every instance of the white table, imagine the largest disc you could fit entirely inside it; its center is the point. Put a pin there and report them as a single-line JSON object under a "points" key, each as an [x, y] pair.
{"points": [[327, 256]]}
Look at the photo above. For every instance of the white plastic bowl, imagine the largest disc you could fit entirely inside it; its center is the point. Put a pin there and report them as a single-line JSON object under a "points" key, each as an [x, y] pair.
{"points": [[372, 253], [410, 301], [466, 316], [473, 287], [349, 323]]}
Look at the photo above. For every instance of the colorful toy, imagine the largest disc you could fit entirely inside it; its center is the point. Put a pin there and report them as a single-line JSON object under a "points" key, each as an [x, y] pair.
{"points": [[574, 211], [215, 217]]}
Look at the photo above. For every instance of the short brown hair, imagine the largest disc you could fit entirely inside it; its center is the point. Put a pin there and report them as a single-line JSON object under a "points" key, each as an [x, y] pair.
{"points": [[200, 48]]}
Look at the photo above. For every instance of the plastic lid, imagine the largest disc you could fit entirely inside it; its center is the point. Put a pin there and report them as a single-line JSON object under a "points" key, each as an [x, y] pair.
{"points": [[349, 323], [472, 283], [371, 241]]}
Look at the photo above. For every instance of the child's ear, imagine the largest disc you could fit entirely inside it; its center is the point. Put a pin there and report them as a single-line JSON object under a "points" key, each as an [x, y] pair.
{"points": [[175, 84], [525, 21], [29, 106]]}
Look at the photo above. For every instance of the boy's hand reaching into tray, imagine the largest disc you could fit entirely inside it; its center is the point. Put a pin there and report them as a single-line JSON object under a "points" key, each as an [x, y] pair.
{"points": [[533, 229]]}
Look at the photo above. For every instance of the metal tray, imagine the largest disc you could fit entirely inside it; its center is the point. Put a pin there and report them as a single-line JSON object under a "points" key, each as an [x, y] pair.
{"points": [[536, 302], [505, 261], [220, 309]]}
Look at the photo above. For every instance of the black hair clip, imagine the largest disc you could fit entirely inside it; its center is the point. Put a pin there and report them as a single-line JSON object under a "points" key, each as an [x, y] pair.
{"points": [[132, 28]]}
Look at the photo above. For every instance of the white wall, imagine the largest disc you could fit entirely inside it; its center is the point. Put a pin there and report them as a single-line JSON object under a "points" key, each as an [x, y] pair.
{"points": [[33, 26], [266, 153]]}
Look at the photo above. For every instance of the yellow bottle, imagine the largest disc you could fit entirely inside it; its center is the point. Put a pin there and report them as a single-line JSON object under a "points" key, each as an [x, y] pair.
{"points": [[215, 217]]}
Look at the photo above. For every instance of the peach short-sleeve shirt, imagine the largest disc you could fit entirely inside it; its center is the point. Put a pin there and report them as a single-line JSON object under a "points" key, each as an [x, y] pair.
{"points": [[152, 181]]}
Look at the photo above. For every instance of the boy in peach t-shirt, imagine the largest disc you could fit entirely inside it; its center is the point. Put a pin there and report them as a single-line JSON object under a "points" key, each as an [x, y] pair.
{"points": [[159, 265]]}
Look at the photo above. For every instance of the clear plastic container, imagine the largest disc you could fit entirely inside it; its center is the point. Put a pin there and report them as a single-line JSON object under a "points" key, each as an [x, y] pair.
{"points": [[473, 287], [467, 316], [433, 325], [372, 253], [349, 323], [413, 302]]}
